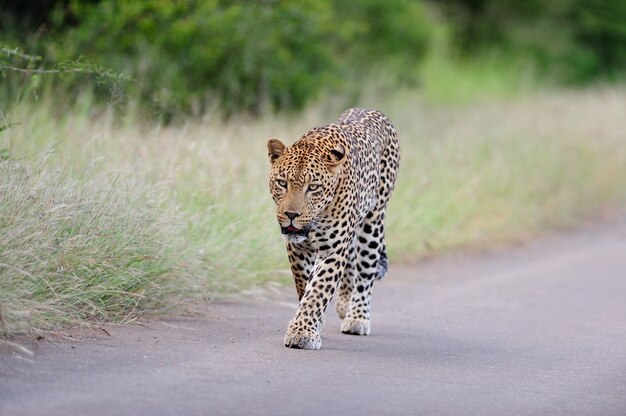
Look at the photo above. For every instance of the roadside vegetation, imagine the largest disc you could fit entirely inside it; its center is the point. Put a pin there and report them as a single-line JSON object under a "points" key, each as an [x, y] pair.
{"points": [[119, 218], [80, 248], [123, 192]]}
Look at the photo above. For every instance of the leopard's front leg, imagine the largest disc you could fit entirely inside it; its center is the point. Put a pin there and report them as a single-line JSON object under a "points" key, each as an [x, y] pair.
{"points": [[304, 329], [301, 259]]}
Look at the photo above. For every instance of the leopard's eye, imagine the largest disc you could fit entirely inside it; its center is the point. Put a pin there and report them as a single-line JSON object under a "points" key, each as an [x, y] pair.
{"points": [[313, 187], [281, 183]]}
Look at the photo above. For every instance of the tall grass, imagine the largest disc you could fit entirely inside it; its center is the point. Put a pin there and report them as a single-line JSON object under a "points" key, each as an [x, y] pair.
{"points": [[94, 248], [485, 174], [190, 207]]}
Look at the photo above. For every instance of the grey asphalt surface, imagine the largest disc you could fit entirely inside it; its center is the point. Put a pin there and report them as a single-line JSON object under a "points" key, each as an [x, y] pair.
{"points": [[537, 330]]}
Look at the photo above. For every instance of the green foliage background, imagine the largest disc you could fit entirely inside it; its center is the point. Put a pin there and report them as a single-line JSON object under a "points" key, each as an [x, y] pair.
{"points": [[190, 56], [573, 41]]}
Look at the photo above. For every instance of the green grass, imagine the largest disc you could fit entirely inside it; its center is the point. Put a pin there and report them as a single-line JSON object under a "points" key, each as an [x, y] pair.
{"points": [[123, 215], [492, 173], [470, 80], [75, 250], [450, 78]]}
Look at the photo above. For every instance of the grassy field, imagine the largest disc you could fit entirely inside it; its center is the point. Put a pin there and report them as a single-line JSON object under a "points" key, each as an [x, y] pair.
{"points": [[103, 218]]}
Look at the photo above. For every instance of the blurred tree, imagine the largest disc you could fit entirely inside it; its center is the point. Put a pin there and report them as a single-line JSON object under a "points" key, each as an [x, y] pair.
{"points": [[374, 33], [241, 55], [28, 14], [571, 40], [601, 29], [246, 55]]}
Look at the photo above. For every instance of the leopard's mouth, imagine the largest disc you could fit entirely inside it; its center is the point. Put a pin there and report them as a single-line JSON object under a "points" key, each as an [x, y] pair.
{"points": [[290, 230]]}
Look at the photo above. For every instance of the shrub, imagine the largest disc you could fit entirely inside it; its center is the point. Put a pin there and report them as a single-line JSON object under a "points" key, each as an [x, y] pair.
{"points": [[570, 41], [192, 56]]}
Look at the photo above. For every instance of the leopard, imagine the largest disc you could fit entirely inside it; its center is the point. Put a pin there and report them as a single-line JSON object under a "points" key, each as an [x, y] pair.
{"points": [[331, 189]]}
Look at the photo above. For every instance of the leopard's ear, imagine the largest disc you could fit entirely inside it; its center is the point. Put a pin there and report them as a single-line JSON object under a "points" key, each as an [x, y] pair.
{"points": [[336, 156], [275, 148]]}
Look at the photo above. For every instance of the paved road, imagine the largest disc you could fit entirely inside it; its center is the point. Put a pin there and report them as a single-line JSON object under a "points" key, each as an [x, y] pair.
{"points": [[539, 330]]}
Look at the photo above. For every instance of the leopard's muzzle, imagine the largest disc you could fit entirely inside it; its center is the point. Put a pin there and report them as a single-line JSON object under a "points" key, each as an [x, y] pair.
{"points": [[290, 230]]}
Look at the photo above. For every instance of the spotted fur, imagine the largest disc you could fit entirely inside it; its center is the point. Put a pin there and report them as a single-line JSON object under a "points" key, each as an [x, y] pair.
{"points": [[331, 189]]}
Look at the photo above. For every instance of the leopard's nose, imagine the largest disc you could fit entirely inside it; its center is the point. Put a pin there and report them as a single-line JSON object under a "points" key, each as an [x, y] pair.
{"points": [[292, 215]]}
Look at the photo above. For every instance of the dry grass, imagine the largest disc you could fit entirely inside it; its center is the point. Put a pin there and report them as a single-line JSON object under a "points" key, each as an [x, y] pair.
{"points": [[469, 175], [74, 251], [501, 171]]}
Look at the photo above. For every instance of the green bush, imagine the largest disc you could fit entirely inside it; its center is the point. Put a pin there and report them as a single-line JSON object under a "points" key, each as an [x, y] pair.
{"points": [[244, 55], [601, 30], [190, 56], [570, 41]]}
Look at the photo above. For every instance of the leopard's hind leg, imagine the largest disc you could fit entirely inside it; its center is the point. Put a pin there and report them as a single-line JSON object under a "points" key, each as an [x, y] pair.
{"points": [[369, 239]]}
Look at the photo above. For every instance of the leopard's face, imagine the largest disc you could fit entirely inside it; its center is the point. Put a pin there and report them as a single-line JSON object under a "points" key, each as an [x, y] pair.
{"points": [[302, 182]]}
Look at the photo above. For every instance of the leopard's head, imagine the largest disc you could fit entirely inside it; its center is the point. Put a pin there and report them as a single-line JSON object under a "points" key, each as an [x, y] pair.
{"points": [[303, 181]]}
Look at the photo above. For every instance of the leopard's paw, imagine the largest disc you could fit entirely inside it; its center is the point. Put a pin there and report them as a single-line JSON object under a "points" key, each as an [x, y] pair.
{"points": [[303, 339], [355, 326]]}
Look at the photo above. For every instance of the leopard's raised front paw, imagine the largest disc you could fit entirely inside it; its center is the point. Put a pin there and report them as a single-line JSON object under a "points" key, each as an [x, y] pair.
{"points": [[303, 339], [355, 326]]}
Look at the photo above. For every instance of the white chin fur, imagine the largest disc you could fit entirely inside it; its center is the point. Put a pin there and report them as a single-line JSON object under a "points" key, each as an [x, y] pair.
{"points": [[293, 238]]}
